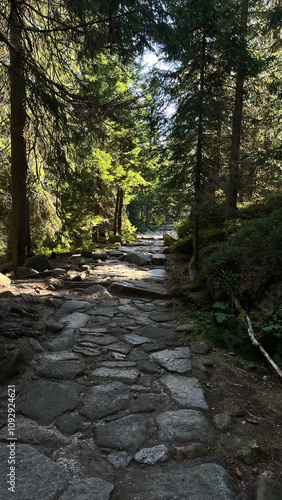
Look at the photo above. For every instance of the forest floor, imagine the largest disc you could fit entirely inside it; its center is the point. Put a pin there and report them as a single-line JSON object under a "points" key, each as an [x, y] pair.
{"points": [[254, 397]]}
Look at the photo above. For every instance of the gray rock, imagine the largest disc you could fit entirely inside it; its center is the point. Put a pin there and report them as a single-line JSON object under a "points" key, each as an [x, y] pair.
{"points": [[75, 320], [31, 433], [36, 475], [54, 302], [43, 400], [185, 426], [128, 433], [103, 311], [143, 289], [186, 327], [147, 366], [133, 339], [139, 259], [53, 326], [186, 391], [268, 488], [88, 489], [160, 317], [159, 334], [129, 376], [224, 421], [103, 400], [68, 424], [63, 342], [12, 356], [119, 347], [38, 263], [26, 272], [35, 345], [63, 370], [99, 292], [204, 482], [145, 403], [75, 305], [119, 459], [174, 360], [199, 347], [4, 280], [158, 259], [152, 456]]}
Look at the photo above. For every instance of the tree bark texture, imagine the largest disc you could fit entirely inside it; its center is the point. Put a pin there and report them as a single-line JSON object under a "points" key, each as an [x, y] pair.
{"points": [[19, 220]]}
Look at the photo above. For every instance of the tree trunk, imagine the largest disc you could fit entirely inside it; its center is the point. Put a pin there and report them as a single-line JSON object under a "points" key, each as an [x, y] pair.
{"points": [[233, 180], [120, 210], [19, 220], [198, 167], [116, 213]]}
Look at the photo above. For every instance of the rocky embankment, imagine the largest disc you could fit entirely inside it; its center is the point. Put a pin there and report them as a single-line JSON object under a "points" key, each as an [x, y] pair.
{"points": [[110, 404]]}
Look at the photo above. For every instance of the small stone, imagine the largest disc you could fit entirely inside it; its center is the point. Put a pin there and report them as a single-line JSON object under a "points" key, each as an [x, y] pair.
{"points": [[224, 421], [145, 403], [75, 305], [53, 326], [119, 459], [185, 426], [186, 391], [35, 345], [160, 317], [54, 302], [151, 456], [190, 451], [147, 366], [186, 327], [63, 342], [199, 347], [158, 259], [68, 424]]}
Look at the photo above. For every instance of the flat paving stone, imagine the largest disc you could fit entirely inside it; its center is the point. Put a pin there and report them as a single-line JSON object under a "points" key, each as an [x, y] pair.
{"points": [[184, 426], [129, 376], [160, 317], [186, 391], [88, 489], [204, 482], [119, 347], [63, 370], [75, 320], [37, 476], [143, 289], [109, 312], [29, 432], [174, 360], [159, 334], [127, 433], [133, 339], [103, 400], [44, 400], [75, 305], [145, 403], [98, 339], [63, 342]]}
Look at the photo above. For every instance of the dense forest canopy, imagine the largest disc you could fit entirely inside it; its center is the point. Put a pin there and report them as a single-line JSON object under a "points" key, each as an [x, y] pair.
{"points": [[88, 148]]}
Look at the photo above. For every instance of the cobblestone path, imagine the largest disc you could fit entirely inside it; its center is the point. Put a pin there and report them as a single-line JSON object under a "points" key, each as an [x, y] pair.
{"points": [[113, 408]]}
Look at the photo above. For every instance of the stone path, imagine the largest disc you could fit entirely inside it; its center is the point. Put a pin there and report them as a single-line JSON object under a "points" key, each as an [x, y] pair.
{"points": [[113, 403]]}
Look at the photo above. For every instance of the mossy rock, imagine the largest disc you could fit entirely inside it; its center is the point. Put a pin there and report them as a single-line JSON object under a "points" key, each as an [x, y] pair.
{"points": [[183, 246], [246, 449], [117, 239]]}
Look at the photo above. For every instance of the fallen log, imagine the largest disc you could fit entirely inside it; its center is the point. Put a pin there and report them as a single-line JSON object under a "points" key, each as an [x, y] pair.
{"points": [[254, 341]]}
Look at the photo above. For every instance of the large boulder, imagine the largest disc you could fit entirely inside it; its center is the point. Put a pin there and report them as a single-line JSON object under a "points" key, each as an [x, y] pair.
{"points": [[38, 262], [117, 239], [169, 239]]}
